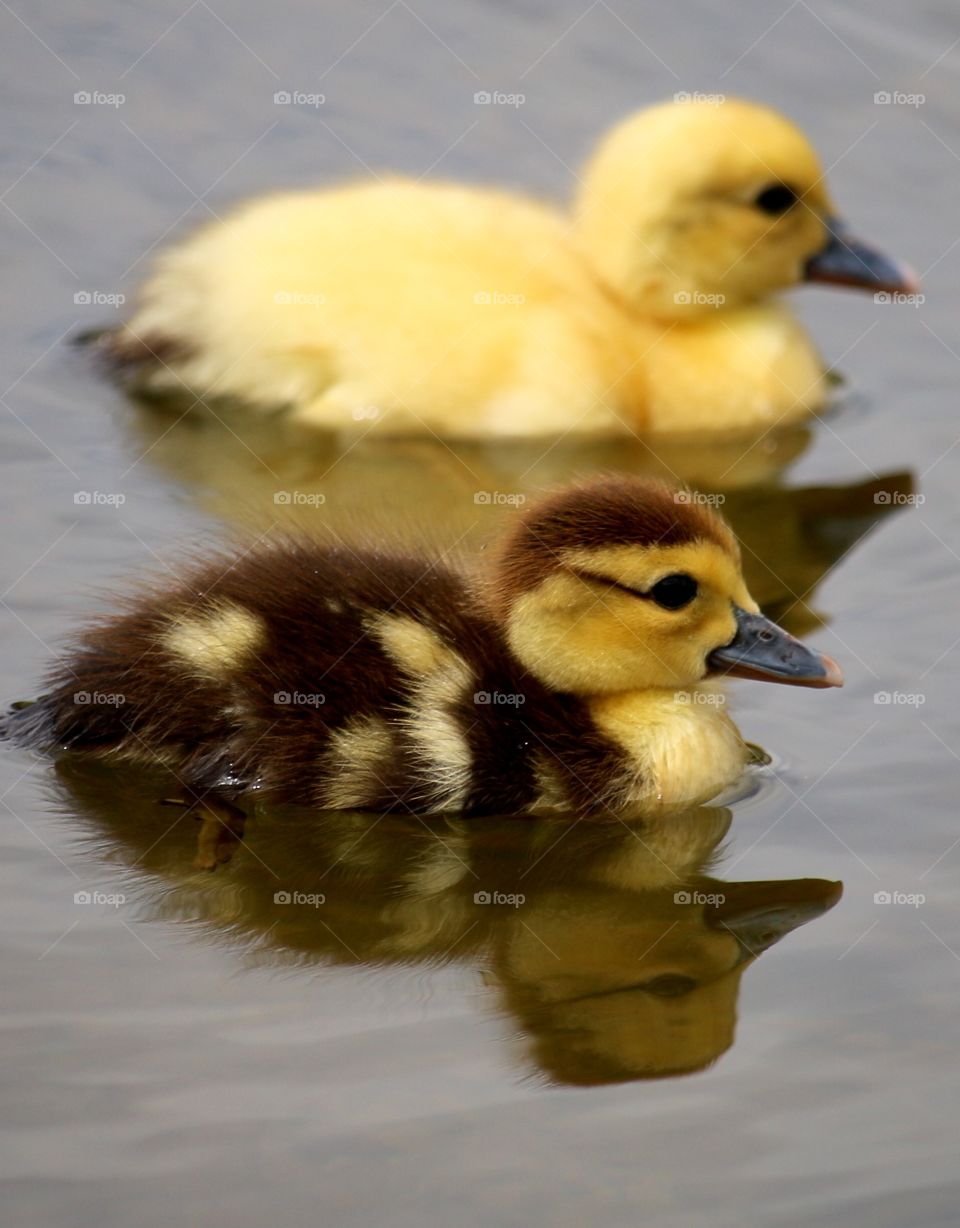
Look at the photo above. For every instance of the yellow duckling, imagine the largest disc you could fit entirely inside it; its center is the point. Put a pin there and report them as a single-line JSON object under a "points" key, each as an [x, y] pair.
{"points": [[409, 307], [576, 676]]}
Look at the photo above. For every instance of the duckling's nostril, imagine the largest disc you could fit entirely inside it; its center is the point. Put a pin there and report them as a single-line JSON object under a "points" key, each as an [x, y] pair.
{"points": [[761, 649]]}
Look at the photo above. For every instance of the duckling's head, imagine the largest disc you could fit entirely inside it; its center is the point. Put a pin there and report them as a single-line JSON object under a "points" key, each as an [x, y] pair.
{"points": [[622, 584], [691, 206]]}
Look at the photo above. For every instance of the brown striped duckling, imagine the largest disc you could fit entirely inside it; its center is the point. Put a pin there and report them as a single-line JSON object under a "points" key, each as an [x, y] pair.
{"points": [[577, 673], [410, 307]]}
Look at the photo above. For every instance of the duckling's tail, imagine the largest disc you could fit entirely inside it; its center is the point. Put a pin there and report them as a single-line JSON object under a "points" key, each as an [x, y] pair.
{"points": [[29, 723], [128, 356], [60, 721]]}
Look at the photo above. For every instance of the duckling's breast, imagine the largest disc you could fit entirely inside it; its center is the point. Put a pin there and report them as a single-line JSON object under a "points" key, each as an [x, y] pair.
{"points": [[682, 746]]}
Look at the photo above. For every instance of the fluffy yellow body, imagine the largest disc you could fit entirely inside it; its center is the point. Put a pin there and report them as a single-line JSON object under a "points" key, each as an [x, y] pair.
{"points": [[407, 307]]}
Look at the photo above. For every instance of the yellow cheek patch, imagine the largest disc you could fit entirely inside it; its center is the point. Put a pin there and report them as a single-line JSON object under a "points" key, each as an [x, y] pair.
{"points": [[217, 642], [579, 637]]}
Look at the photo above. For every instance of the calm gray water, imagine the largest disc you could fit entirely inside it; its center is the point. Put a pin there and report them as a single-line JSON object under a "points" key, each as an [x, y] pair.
{"points": [[401, 1053]]}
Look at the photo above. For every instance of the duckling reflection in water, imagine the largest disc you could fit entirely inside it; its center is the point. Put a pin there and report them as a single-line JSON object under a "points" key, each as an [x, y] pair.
{"points": [[256, 476], [408, 307], [580, 675], [616, 949]]}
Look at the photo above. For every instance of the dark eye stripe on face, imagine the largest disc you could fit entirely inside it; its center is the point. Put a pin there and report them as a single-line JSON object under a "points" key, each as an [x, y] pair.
{"points": [[592, 578], [650, 595]]}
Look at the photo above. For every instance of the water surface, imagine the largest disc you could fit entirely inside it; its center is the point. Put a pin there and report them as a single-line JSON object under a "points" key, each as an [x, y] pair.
{"points": [[405, 1051]]}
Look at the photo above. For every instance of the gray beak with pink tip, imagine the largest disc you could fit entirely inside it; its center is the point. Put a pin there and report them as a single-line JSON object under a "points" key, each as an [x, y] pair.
{"points": [[846, 261], [763, 651]]}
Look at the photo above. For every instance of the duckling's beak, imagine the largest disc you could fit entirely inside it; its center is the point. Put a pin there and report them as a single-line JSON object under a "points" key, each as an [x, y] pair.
{"points": [[845, 261], [762, 650], [760, 914]]}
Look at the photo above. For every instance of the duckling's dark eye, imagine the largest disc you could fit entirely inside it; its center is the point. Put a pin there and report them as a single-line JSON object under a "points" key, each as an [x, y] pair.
{"points": [[674, 592], [778, 198]]}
